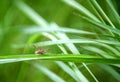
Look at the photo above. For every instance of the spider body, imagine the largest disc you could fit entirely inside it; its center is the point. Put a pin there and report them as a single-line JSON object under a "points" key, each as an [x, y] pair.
{"points": [[39, 51]]}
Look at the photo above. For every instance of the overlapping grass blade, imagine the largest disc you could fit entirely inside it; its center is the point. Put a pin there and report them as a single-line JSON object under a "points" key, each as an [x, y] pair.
{"points": [[40, 21], [54, 77]]}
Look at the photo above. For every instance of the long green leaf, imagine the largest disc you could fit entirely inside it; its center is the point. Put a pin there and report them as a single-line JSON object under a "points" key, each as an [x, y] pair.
{"points": [[60, 57]]}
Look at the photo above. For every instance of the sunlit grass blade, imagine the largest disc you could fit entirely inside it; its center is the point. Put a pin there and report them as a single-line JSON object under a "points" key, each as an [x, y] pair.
{"points": [[65, 58], [79, 41], [37, 29]]}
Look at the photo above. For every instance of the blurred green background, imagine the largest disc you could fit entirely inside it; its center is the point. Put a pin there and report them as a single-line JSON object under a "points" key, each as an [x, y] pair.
{"points": [[14, 20]]}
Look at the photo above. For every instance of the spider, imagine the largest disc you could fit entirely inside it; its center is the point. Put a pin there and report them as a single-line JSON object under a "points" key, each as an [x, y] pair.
{"points": [[39, 51]]}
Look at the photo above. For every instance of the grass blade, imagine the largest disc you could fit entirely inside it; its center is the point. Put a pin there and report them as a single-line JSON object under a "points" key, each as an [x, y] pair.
{"points": [[65, 58]]}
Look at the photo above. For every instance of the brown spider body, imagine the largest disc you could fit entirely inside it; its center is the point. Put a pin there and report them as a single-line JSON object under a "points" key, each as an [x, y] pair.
{"points": [[38, 52]]}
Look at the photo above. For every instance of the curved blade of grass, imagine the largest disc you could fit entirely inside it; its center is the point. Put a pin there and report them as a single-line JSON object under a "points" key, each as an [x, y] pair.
{"points": [[114, 12], [68, 70], [115, 52], [48, 73], [109, 28], [82, 9], [102, 43], [98, 51], [102, 12], [66, 58], [37, 29], [83, 41], [110, 70]]}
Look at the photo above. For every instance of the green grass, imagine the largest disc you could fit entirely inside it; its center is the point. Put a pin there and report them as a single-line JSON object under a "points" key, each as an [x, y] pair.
{"points": [[80, 40], [78, 58]]}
